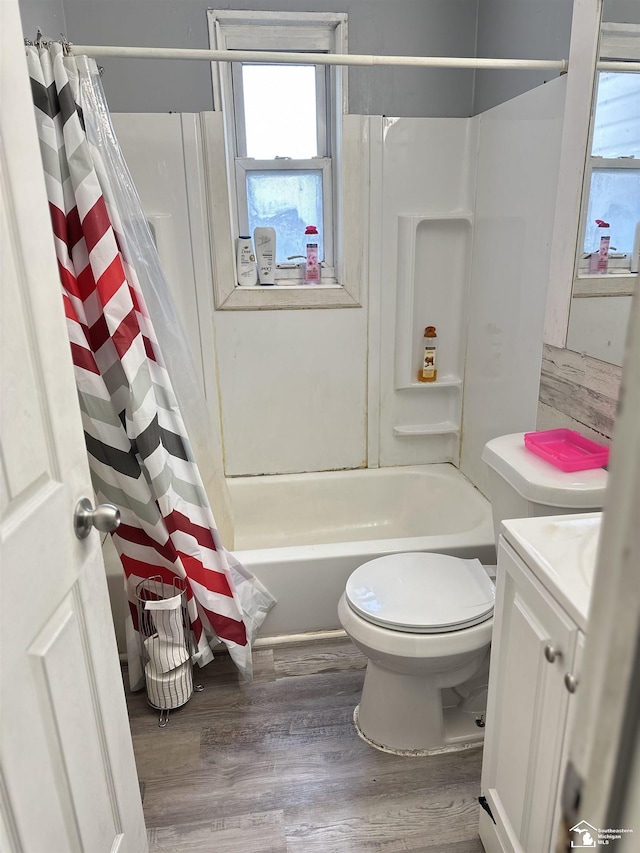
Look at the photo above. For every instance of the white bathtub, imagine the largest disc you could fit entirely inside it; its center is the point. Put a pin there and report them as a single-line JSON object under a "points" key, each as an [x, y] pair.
{"points": [[303, 534]]}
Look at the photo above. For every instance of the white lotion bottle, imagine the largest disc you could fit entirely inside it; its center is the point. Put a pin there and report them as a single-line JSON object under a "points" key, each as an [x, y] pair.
{"points": [[246, 263], [264, 239]]}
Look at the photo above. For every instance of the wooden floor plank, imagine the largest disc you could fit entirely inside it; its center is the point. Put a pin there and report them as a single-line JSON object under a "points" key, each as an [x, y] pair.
{"points": [[180, 751], [276, 766], [257, 831], [386, 824], [327, 656]]}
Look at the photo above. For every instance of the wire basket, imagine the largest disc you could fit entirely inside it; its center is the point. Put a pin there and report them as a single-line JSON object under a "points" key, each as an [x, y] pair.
{"points": [[166, 643]]}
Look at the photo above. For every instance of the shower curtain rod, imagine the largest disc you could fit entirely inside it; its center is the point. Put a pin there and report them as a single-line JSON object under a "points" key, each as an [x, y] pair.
{"points": [[312, 58], [469, 62]]}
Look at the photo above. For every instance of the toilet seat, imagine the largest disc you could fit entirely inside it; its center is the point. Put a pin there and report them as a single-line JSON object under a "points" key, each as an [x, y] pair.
{"points": [[421, 593]]}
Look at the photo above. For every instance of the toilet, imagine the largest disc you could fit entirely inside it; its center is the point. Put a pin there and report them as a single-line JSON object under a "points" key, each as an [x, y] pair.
{"points": [[424, 620]]}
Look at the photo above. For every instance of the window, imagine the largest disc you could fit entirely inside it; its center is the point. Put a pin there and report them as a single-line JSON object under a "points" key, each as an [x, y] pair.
{"points": [[282, 124], [612, 174], [283, 162]]}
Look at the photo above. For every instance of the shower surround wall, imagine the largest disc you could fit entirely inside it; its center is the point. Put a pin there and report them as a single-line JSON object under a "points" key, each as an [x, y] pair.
{"points": [[517, 169], [422, 179], [311, 390], [305, 390]]}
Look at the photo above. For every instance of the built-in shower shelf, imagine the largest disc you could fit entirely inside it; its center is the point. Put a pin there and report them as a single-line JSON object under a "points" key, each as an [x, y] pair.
{"points": [[433, 274], [445, 382], [445, 217], [442, 428]]}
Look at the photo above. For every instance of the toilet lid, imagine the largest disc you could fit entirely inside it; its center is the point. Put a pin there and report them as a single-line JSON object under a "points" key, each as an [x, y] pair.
{"points": [[421, 593]]}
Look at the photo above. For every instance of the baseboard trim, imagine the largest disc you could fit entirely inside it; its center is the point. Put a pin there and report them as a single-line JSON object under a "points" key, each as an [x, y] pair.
{"points": [[299, 639], [280, 640]]}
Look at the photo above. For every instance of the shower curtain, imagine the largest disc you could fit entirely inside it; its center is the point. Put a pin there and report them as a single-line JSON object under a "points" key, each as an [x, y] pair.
{"points": [[139, 453]]}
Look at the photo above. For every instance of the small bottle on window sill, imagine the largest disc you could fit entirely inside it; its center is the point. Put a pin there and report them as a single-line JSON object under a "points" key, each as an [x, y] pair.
{"points": [[312, 267], [599, 261]]}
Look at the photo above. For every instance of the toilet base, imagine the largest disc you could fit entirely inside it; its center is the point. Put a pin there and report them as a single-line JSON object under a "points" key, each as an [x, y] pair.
{"points": [[404, 713], [473, 742], [464, 734]]}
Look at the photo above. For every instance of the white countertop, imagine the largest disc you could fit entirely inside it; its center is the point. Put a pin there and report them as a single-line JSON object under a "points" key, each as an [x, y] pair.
{"points": [[561, 552]]}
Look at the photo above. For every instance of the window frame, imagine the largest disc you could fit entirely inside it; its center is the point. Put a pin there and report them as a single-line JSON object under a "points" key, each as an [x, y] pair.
{"points": [[617, 41], [347, 171], [619, 260]]}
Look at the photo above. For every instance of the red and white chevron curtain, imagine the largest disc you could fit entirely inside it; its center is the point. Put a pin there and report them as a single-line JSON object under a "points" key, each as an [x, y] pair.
{"points": [[139, 452]]}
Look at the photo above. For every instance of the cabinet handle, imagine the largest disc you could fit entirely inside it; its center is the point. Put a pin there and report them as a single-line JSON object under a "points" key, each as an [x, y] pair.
{"points": [[551, 654], [570, 682]]}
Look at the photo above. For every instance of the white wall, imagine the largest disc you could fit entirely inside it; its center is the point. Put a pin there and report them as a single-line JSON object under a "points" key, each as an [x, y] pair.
{"points": [[597, 327], [518, 158], [293, 389]]}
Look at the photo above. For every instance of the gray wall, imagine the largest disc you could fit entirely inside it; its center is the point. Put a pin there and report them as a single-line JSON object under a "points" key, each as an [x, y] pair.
{"points": [[46, 14], [621, 11], [529, 29], [519, 29], [420, 27]]}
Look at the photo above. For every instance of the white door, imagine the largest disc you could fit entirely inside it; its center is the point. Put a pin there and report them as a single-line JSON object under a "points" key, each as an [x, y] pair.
{"points": [[68, 778]]}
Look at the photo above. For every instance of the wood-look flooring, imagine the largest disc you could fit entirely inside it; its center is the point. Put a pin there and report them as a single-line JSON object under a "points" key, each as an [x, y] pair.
{"points": [[276, 766]]}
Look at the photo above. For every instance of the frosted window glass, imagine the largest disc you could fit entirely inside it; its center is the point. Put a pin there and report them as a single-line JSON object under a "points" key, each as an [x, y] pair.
{"points": [[614, 197], [616, 131], [280, 111], [287, 201]]}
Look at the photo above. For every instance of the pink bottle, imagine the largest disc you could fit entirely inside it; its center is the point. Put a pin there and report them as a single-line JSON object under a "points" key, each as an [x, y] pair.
{"points": [[599, 261], [312, 270]]}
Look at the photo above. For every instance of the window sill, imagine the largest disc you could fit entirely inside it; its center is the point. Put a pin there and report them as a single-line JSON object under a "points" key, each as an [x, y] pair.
{"points": [[298, 285], [269, 297], [610, 284]]}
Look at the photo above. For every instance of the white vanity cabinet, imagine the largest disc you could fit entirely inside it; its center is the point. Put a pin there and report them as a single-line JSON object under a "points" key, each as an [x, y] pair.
{"points": [[535, 656]]}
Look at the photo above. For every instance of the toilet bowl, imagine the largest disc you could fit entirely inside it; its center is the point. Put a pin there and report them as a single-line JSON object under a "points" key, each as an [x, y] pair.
{"points": [[424, 622]]}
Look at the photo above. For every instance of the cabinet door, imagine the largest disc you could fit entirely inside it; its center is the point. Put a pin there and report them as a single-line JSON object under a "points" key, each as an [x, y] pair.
{"points": [[527, 707]]}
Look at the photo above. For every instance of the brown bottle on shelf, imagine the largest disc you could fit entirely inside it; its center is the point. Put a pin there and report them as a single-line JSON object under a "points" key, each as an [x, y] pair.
{"points": [[428, 371]]}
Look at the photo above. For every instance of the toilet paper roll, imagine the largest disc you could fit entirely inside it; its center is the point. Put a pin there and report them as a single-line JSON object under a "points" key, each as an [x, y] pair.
{"points": [[168, 690], [167, 618], [165, 654]]}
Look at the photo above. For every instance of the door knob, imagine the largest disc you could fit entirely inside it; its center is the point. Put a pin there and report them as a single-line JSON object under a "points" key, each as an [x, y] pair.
{"points": [[105, 518], [570, 682]]}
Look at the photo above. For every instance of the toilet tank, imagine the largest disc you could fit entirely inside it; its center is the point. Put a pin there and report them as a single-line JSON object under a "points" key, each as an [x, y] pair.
{"points": [[522, 485]]}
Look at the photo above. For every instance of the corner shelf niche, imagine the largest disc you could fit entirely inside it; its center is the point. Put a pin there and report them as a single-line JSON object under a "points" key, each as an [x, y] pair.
{"points": [[433, 267]]}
